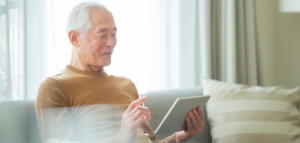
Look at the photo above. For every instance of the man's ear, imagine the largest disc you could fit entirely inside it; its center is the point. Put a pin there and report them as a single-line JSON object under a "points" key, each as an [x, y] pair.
{"points": [[74, 38]]}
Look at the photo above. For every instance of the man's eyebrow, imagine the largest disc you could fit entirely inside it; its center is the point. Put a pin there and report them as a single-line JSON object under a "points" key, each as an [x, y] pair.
{"points": [[104, 30]]}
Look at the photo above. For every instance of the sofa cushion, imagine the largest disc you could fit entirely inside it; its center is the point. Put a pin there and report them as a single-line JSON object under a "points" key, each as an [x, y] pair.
{"points": [[18, 122], [240, 113], [159, 103]]}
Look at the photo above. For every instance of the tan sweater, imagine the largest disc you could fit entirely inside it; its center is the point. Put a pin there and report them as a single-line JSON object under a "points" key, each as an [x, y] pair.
{"points": [[85, 106]]}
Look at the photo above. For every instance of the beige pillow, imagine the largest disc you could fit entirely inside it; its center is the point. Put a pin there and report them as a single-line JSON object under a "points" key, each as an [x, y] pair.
{"points": [[252, 114]]}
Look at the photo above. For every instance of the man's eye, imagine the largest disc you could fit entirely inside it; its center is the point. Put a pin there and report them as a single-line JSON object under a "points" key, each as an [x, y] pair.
{"points": [[113, 35], [103, 36]]}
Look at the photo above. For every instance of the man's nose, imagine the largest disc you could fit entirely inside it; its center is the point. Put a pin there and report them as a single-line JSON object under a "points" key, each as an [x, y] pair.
{"points": [[109, 41]]}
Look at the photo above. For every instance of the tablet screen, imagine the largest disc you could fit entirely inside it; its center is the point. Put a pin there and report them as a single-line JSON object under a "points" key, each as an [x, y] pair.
{"points": [[174, 120]]}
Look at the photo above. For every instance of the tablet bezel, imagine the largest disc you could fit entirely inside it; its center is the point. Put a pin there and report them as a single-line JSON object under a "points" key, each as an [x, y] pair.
{"points": [[183, 109]]}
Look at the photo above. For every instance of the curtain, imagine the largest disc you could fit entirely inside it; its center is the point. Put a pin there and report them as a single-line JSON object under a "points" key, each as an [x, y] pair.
{"points": [[156, 41], [139, 54], [22, 48], [162, 44], [11, 50], [233, 47]]}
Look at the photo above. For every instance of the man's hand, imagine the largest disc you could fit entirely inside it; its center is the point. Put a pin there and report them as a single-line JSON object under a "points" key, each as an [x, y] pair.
{"points": [[195, 124], [134, 116]]}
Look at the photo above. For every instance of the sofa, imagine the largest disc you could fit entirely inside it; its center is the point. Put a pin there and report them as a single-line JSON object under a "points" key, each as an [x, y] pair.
{"points": [[18, 119]]}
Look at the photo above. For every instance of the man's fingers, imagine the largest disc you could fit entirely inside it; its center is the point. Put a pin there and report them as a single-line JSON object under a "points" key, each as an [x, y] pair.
{"points": [[136, 103], [141, 113], [197, 116], [200, 111], [189, 124], [193, 120], [140, 121], [139, 109], [146, 122], [135, 109]]}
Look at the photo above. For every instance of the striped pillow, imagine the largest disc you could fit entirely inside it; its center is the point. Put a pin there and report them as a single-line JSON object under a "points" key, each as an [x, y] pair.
{"points": [[252, 114]]}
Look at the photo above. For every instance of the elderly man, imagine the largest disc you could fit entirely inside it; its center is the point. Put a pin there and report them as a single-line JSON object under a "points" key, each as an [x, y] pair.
{"points": [[85, 104]]}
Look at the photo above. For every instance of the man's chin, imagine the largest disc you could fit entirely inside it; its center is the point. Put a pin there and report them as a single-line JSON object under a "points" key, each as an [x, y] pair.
{"points": [[102, 63], [105, 64]]}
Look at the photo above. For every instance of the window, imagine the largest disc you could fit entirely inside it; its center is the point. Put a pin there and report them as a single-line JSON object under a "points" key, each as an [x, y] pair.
{"points": [[156, 44], [138, 54], [11, 50]]}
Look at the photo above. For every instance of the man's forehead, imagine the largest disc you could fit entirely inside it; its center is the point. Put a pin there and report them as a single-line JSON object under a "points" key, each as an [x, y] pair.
{"points": [[103, 20], [101, 15]]}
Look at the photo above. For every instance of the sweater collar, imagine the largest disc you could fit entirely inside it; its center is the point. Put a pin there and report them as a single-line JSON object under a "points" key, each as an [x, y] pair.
{"points": [[69, 67]]}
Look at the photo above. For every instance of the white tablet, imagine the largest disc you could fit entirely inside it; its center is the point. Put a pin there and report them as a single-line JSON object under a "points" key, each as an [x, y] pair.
{"points": [[175, 118]]}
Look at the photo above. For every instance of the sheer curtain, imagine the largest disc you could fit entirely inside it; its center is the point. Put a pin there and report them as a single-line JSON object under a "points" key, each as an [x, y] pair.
{"points": [[22, 48], [157, 44], [162, 44], [141, 52], [216, 39], [11, 50], [34, 44]]}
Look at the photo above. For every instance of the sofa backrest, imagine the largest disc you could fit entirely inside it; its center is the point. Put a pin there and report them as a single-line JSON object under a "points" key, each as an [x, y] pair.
{"points": [[18, 119], [159, 103], [18, 122]]}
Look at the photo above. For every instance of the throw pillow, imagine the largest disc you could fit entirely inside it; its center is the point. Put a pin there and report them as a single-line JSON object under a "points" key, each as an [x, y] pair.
{"points": [[252, 114]]}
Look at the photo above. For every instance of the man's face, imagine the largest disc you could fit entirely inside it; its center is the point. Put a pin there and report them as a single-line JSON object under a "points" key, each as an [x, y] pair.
{"points": [[98, 45]]}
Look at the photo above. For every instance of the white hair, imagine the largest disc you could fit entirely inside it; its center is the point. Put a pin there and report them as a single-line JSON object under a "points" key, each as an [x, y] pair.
{"points": [[79, 18]]}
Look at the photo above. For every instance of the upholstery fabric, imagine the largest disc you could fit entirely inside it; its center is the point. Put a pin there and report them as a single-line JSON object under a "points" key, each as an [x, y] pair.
{"points": [[241, 113], [18, 122], [159, 103]]}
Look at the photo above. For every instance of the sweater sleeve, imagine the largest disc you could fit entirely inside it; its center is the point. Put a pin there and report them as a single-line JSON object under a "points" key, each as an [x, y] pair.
{"points": [[53, 117], [148, 130]]}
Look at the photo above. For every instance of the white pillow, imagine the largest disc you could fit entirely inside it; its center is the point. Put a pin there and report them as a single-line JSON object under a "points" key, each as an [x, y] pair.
{"points": [[252, 114]]}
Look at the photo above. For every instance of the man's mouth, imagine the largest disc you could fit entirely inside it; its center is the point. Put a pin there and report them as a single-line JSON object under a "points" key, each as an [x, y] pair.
{"points": [[106, 54]]}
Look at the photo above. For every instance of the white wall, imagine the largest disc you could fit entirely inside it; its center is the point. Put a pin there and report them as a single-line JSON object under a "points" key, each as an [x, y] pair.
{"points": [[266, 16], [279, 36], [287, 52]]}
